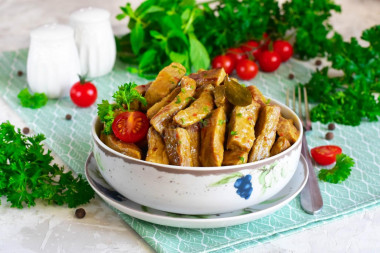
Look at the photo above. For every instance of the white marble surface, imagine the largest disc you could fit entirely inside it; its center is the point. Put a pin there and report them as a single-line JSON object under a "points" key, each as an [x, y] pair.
{"points": [[55, 229]]}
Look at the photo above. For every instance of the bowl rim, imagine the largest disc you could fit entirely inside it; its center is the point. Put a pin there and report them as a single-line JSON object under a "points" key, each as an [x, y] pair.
{"points": [[211, 169]]}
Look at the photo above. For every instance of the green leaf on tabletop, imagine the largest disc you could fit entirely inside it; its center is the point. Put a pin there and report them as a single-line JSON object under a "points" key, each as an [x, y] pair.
{"points": [[340, 172], [37, 100], [26, 173]]}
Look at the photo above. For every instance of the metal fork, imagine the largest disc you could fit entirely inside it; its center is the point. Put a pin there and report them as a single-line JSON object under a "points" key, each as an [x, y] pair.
{"points": [[311, 199]]}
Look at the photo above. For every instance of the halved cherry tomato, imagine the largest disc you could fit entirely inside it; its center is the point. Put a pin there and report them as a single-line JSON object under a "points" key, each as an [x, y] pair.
{"points": [[252, 47], [130, 126], [325, 155], [237, 54], [284, 49], [224, 61]]}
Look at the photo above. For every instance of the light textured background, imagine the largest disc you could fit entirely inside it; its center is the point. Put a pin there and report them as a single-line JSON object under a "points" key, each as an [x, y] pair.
{"points": [[53, 229]]}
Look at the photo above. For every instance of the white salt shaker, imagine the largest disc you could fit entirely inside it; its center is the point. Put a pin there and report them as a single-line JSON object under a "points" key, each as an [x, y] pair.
{"points": [[95, 41], [53, 61]]}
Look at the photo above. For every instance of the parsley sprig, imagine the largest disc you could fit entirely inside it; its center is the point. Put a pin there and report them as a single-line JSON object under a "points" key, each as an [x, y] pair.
{"points": [[26, 173], [37, 100], [340, 172]]}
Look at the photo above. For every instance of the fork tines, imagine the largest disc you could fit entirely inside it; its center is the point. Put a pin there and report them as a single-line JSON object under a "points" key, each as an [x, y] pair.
{"points": [[306, 122]]}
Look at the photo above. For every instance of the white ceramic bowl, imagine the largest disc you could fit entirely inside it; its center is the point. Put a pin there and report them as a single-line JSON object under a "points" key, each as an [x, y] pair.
{"points": [[196, 190]]}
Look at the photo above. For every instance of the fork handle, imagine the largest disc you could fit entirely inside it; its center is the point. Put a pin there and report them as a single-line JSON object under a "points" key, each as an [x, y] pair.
{"points": [[311, 198]]}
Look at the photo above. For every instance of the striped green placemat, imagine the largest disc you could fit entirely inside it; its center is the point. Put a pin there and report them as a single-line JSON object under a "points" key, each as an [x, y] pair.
{"points": [[72, 142]]}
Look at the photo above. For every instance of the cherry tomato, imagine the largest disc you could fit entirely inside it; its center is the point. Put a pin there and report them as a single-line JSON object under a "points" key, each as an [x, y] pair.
{"points": [[284, 49], [237, 54], [83, 93], [224, 61], [247, 69], [269, 61], [252, 46], [325, 155], [130, 126]]}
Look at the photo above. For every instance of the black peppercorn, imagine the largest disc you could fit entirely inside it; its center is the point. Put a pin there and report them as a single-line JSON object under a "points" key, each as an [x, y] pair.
{"points": [[318, 62], [80, 213], [25, 130], [329, 136], [68, 117], [331, 126], [291, 76], [20, 73]]}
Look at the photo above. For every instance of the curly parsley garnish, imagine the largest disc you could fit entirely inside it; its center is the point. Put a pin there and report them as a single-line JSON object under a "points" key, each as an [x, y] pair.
{"points": [[339, 172], [26, 173], [37, 100], [124, 96]]}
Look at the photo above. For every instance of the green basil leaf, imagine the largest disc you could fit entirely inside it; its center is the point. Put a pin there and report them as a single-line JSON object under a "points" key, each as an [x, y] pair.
{"points": [[146, 60], [120, 16], [198, 54], [157, 35], [178, 57], [151, 9], [137, 38]]}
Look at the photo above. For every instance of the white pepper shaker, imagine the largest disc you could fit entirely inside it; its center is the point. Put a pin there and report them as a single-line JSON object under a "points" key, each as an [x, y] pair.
{"points": [[53, 61], [95, 41]]}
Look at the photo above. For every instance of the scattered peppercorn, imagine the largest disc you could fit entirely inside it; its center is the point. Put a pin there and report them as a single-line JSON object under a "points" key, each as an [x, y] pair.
{"points": [[291, 76], [329, 136], [68, 117], [25, 130], [331, 126], [318, 62], [20, 73], [80, 213]]}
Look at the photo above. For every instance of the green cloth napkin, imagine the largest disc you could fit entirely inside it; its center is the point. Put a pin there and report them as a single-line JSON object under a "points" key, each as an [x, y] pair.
{"points": [[72, 142]]}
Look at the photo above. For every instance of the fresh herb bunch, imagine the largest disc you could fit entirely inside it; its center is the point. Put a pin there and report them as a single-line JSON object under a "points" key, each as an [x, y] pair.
{"points": [[348, 99], [37, 100], [308, 22], [26, 173], [162, 32], [189, 33], [124, 97], [232, 22], [340, 172]]}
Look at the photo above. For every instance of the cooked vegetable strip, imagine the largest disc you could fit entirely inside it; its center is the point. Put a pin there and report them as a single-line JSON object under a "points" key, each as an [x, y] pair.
{"points": [[287, 129], [212, 76], [242, 122], [235, 157], [166, 100], [128, 149], [219, 95], [156, 148], [203, 88], [265, 132], [257, 95], [165, 82], [181, 101], [197, 111], [195, 142], [212, 139], [280, 145], [178, 147]]}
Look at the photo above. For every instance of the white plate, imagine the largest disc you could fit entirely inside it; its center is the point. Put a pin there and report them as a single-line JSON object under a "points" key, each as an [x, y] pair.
{"points": [[115, 199]]}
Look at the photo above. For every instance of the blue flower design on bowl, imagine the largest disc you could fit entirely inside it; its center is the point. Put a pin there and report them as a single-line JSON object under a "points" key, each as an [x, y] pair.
{"points": [[244, 186]]}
